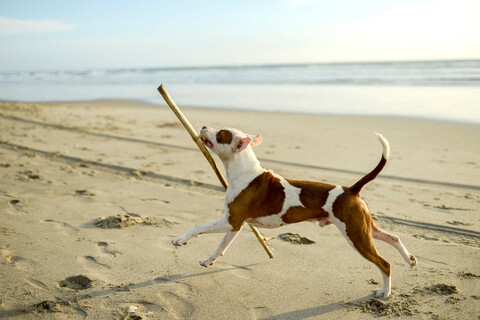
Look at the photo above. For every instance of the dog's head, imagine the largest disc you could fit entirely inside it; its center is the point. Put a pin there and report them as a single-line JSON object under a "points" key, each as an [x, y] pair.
{"points": [[227, 141]]}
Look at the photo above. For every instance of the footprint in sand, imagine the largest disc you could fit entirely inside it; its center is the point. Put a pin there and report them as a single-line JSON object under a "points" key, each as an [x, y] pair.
{"points": [[84, 193], [79, 282], [176, 305], [29, 175], [423, 237], [63, 226], [92, 261], [155, 199], [36, 284], [103, 248], [17, 261], [175, 298], [18, 204], [259, 312]]}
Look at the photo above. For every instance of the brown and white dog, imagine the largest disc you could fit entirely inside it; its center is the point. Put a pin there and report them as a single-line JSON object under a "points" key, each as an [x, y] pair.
{"points": [[266, 200]]}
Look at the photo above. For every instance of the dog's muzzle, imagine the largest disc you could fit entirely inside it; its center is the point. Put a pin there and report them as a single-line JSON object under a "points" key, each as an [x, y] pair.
{"points": [[206, 142]]}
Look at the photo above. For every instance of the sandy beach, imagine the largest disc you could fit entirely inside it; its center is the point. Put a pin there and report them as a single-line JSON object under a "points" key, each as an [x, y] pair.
{"points": [[92, 194]]}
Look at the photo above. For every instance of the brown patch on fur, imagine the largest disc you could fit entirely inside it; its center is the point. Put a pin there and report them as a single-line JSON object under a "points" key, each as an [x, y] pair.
{"points": [[313, 196], [264, 196], [358, 221], [224, 137]]}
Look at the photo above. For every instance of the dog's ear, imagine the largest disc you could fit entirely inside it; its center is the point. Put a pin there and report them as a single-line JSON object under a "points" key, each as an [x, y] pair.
{"points": [[242, 143], [256, 140]]}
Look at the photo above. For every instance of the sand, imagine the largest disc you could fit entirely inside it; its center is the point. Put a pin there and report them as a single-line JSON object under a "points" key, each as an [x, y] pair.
{"points": [[92, 193]]}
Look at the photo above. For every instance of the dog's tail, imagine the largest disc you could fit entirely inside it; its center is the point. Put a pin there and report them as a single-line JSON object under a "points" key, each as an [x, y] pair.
{"points": [[357, 187]]}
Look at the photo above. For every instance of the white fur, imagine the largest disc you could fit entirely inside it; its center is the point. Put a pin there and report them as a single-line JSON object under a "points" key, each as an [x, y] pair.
{"points": [[385, 145], [227, 240], [292, 194], [332, 196], [218, 226], [395, 242], [328, 207], [387, 286]]}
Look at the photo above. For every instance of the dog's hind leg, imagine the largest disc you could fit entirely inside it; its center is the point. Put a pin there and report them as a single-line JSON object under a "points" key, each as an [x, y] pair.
{"points": [[362, 242], [365, 246], [395, 242]]}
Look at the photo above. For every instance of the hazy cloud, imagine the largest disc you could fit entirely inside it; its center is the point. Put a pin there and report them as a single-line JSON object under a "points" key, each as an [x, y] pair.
{"points": [[421, 30], [12, 26]]}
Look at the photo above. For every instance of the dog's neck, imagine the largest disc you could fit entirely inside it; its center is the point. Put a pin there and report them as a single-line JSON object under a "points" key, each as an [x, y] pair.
{"points": [[242, 165]]}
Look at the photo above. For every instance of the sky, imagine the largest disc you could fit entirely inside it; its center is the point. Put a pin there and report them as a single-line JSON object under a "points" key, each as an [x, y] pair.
{"points": [[64, 34]]}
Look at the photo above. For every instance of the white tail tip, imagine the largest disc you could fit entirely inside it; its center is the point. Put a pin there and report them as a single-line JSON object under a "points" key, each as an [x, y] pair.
{"points": [[385, 144]]}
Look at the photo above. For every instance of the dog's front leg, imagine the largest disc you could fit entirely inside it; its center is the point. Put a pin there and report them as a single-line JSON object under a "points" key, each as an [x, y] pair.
{"points": [[218, 226], [227, 239]]}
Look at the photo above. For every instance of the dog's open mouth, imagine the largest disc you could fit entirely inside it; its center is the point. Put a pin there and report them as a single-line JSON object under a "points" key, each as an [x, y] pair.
{"points": [[206, 142]]}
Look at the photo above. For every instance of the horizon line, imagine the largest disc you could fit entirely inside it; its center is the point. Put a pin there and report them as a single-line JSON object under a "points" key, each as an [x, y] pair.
{"points": [[248, 65]]}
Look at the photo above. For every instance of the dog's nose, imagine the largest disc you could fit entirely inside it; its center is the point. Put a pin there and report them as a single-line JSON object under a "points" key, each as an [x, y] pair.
{"points": [[204, 128]]}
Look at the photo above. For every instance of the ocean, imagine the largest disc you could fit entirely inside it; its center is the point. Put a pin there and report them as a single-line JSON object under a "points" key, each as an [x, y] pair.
{"points": [[442, 90]]}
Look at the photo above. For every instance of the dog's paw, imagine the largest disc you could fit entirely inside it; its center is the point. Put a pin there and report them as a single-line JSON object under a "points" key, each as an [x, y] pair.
{"points": [[382, 294], [413, 260], [178, 242], [207, 262]]}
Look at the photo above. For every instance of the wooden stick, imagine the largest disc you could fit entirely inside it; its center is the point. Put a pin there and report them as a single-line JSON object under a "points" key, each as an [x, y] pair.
{"points": [[196, 137]]}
